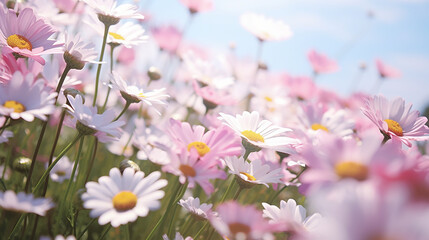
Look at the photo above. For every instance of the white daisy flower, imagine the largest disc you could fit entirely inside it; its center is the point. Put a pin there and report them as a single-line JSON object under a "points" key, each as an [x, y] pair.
{"points": [[62, 170], [111, 9], [262, 134], [25, 203], [255, 172], [120, 198], [291, 217], [128, 34], [265, 28], [89, 122], [77, 52], [200, 211], [21, 97], [132, 90], [214, 74]]}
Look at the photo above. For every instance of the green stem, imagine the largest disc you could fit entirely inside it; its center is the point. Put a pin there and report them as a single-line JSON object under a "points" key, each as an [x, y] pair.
{"points": [[71, 180], [112, 47], [127, 105], [161, 220], [201, 230], [15, 227], [237, 193], [181, 192], [45, 174], [106, 230], [86, 228], [103, 47], [227, 191], [91, 162], [42, 132]]}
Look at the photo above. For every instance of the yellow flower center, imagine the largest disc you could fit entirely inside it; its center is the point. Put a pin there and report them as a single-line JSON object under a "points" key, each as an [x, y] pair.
{"points": [[17, 107], [349, 169], [124, 201], [249, 177], [19, 41], [187, 170], [268, 99], [116, 36], [394, 127], [201, 148], [141, 95], [318, 126], [235, 228], [251, 135]]}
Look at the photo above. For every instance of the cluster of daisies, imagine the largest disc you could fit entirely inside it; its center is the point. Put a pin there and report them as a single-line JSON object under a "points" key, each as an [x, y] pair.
{"points": [[96, 133]]}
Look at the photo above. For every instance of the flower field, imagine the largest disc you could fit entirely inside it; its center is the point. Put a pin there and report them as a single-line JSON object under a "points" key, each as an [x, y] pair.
{"points": [[114, 126]]}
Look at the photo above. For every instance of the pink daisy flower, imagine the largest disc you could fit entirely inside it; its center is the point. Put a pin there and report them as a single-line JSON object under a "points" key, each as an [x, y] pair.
{"points": [[301, 88], [167, 37], [321, 63], [386, 71], [213, 97], [217, 143], [335, 160], [195, 6], [316, 117], [241, 222], [189, 167], [395, 119], [26, 35], [21, 97]]}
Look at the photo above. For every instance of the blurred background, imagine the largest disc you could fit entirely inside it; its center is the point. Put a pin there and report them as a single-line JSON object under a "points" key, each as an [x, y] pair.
{"points": [[352, 32]]}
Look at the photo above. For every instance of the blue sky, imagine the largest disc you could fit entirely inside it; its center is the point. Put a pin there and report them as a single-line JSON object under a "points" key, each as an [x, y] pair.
{"points": [[398, 34]]}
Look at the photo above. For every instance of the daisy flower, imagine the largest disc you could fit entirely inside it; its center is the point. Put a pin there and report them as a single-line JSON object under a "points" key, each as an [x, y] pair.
{"points": [[193, 206], [215, 73], [240, 222], [109, 12], [21, 97], [395, 119], [25, 203], [120, 198], [292, 217], [153, 143], [128, 34], [262, 134], [255, 172], [168, 38], [62, 170], [26, 35], [77, 52], [313, 118], [189, 167], [213, 97], [195, 6], [132, 91], [265, 29], [89, 122], [220, 142], [321, 63], [386, 71]]}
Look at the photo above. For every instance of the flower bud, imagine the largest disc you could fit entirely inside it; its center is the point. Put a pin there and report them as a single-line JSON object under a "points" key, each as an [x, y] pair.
{"points": [[22, 164], [128, 164], [72, 61], [154, 74]]}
